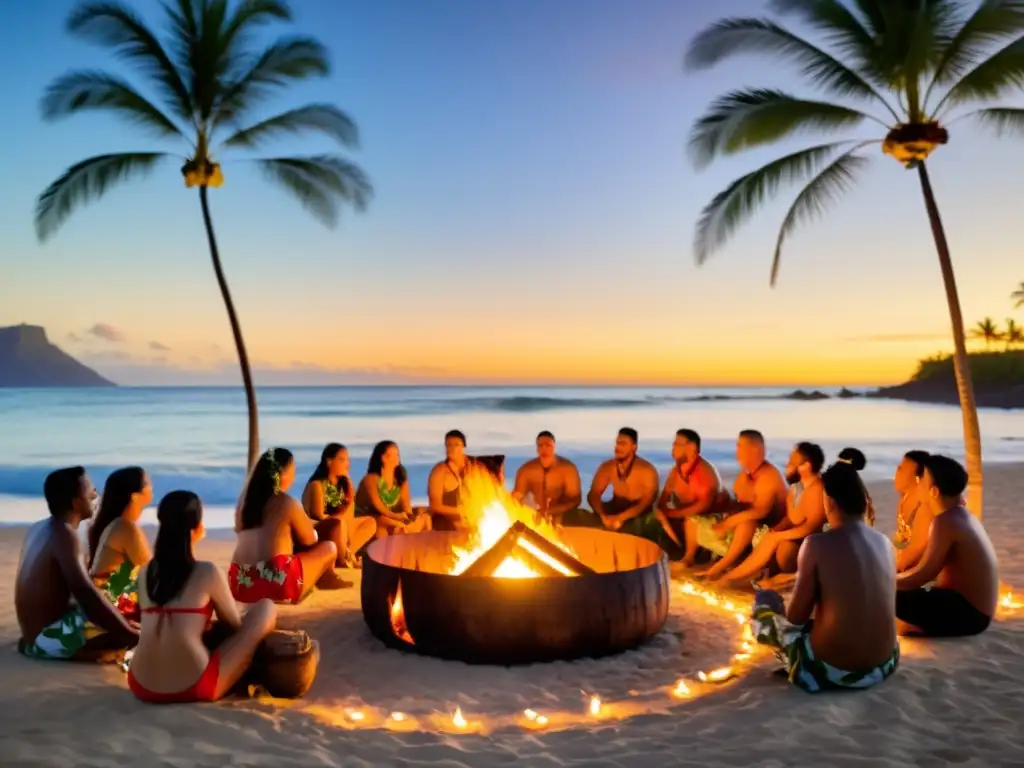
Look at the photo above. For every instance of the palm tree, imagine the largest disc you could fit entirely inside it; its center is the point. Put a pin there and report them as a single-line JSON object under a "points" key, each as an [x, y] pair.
{"points": [[987, 331], [1013, 334], [209, 81], [1017, 297], [898, 67]]}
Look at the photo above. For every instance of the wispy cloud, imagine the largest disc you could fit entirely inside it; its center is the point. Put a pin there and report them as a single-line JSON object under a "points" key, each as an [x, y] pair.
{"points": [[156, 346], [898, 337], [74, 338], [106, 332]]}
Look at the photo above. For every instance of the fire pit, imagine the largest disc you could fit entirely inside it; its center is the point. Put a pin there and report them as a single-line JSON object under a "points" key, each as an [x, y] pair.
{"points": [[513, 590]]}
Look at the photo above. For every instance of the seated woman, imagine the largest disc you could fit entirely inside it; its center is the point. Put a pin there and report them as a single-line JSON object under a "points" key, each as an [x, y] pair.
{"points": [[271, 525], [384, 494], [846, 578], [329, 500], [178, 597], [913, 516], [117, 545]]}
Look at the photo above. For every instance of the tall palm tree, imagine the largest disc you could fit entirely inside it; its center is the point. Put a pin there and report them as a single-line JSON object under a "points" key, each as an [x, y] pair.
{"points": [[209, 81], [1013, 334], [1017, 297], [987, 331], [900, 67]]}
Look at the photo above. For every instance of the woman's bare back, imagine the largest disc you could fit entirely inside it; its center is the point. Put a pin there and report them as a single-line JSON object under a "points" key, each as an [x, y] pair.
{"points": [[274, 537]]}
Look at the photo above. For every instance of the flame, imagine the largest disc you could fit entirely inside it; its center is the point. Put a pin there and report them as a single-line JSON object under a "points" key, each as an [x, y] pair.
{"points": [[457, 719], [681, 690], [398, 625], [489, 511], [1009, 601], [595, 706], [716, 675]]}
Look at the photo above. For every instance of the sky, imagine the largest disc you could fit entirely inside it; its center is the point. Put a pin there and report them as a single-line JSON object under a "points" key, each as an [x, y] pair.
{"points": [[532, 221]]}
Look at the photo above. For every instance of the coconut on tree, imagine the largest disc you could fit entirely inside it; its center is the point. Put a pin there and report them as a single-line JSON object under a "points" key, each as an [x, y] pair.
{"points": [[202, 88], [987, 331], [908, 69]]}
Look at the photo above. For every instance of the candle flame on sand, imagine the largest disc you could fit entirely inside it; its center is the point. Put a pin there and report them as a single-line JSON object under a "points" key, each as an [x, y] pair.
{"points": [[1008, 601], [457, 719], [595, 705], [681, 690]]}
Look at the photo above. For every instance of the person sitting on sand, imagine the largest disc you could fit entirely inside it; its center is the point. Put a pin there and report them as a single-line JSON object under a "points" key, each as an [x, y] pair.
{"points": [[759, 504], [959, 559], [634, 483], [445, 484], [330, 501], [846, 578], [805, 514], [178, 597], [117, 545], [913, 516], [549, 483], [61, 613], [384, 494], [691, 497], [271, 525]]}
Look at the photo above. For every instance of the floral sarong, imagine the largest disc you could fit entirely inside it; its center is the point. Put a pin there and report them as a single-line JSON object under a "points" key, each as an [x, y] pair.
{"points": [[63, 638], [121, 588], [715, 543], [278, 579], [792, 644]]}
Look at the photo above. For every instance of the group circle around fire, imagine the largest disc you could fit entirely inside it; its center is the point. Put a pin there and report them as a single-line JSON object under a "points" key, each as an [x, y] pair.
{"points": [[804, 527]]}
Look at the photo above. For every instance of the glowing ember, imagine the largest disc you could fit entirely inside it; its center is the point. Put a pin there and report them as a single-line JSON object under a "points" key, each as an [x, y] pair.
{"points": [[398, 618], [682, 690], [595, 706], [1009, 601], [457, 719], [716, 675], [489, 511], [398, 716], [356, 716]]}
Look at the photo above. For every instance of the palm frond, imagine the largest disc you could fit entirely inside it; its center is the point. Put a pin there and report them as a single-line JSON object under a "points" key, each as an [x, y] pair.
{"points": [[834, 180], [731, 207], [992, 22], [92, 90], [85, 182], [250, 14], [841, 28], [1001, 72], [115, 26], [753, 117], [287, 60], [321, 183], [1005, 121], [324, 118], [736, 36]]}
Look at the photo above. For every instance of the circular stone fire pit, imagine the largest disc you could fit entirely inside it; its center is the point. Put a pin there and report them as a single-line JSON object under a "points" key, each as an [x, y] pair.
{"points": [[491, 620]]}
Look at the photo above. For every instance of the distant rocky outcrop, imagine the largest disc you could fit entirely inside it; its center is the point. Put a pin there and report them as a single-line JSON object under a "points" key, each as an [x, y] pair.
{"points": [[28, 359], [998, 381]]}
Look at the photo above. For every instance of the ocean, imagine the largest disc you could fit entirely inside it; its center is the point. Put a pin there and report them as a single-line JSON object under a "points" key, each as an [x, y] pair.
{"points": [[195, 438]]}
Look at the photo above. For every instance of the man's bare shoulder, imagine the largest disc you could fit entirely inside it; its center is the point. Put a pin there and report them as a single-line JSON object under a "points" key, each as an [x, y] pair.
{"points": [[770, 475], [645, 466], [605, 466], [565, 465], [532, 465]]}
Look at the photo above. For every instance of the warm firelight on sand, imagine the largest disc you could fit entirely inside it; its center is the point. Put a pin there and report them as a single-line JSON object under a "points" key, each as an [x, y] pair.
{"points": [[489, 511]]}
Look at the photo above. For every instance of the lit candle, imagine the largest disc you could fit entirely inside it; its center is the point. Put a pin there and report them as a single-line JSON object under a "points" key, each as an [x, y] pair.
{"points": [[715, 675], [595, 706], [457, 719], [355, 715], [682, 690], [398, 716]]}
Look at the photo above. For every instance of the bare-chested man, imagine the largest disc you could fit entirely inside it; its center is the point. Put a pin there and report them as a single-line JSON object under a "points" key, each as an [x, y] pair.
{"points": [[61, 613], [549, 483], [445, 484], [805, 514], [634, 483], [913, 517], [693, 490], [846, 578], [959, 559], [760, 503]]}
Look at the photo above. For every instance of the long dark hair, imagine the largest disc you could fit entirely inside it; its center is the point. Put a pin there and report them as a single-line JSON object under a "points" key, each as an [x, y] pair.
{"points": [[179, 513], [117, 494], [376, 462], [264, 484], [320, 473]]}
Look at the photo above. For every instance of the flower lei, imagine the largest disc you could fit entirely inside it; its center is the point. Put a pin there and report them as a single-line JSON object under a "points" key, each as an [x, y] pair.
{"points": [[275, 469], [333, 497]]}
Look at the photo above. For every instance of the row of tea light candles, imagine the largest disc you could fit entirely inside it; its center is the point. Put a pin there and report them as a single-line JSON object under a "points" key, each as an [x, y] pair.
{"points": [[681, 689]]}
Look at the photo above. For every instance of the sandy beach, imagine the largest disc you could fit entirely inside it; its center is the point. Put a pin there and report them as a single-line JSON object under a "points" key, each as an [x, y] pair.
{"points": [[951, 702]]}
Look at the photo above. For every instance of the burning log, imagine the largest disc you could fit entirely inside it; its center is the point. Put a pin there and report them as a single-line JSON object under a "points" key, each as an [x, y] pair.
{"points": [[488, 562], [511, 544], [556, 553]]}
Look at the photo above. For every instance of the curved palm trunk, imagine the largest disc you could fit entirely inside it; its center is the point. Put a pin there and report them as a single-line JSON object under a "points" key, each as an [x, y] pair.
{"points": [[961, 365], [236, 331]]}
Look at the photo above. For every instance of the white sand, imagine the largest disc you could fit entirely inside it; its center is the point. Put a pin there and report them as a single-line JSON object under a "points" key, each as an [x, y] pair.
{"points": [[951, 702]]}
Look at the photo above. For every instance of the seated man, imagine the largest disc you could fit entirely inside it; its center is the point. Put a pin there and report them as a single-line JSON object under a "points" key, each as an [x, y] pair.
{"points": [[913, 518], [846, 577], [550, 484], [445, 483], [805, 514], [634, 483], [760, 503], [692, 494], [959, 558], [61, 613]]}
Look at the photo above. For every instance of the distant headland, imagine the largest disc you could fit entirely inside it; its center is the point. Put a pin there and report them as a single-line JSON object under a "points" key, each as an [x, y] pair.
{"points": [[29, 359]]}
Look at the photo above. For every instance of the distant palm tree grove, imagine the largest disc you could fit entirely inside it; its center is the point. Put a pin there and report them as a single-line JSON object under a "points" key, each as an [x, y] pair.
{"points": [[907, 69], [209, 80]]}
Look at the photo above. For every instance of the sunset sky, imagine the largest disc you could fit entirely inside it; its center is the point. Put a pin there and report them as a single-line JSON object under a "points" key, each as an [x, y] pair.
{"points": [[533, 219]]}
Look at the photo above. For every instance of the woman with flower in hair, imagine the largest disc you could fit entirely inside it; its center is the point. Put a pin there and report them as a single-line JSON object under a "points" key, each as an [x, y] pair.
{"points": [[384, 494], [329, 500], [271, 525]]}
